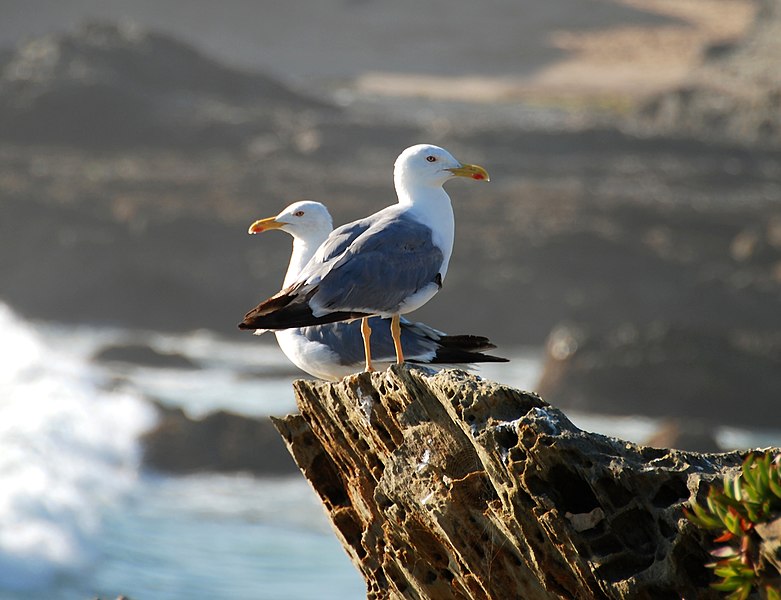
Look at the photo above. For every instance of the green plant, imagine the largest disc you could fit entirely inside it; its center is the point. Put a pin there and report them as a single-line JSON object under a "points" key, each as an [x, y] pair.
{"points": [[750, 498]]}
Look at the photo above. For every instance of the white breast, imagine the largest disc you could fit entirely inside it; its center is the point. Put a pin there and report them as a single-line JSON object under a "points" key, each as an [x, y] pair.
{"points": [[433, 209]]}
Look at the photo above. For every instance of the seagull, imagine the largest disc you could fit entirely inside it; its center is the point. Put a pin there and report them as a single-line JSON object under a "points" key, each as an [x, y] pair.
{"points": [[335, 350], [387, 264]]}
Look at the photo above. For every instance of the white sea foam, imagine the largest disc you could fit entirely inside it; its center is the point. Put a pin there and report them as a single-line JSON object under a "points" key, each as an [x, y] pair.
{"points": [[68, 452]]}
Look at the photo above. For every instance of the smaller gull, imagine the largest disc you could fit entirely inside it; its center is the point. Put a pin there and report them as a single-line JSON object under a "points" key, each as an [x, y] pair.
{"points": [[335, 350], [387, 264]]}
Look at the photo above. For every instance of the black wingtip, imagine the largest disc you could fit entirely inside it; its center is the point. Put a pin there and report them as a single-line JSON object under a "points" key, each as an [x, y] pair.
{"points": [[454, 356], [473, 343]]}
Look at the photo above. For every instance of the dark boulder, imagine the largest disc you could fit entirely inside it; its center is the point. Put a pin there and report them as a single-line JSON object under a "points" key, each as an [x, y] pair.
{"points": [[221, 441]]}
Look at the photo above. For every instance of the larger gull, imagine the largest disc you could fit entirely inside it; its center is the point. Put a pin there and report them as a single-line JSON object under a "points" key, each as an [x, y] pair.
{"points": [[387, 264], [335, 350]]}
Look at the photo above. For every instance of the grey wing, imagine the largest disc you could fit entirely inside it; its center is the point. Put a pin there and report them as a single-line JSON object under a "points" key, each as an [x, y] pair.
{"points": [[339, 240], [384, 266], [330, 251], [346, 341], [421, 329]]}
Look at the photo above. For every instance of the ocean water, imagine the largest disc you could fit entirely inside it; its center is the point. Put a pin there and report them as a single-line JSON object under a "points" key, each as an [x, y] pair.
{"points": [[80, 519]]}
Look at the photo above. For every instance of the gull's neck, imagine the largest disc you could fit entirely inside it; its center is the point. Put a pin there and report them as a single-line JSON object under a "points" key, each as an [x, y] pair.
{"points": [[303, 249]]}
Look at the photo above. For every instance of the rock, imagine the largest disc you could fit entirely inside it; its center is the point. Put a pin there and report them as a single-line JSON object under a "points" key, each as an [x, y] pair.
{"points": [[450, 486], [143, 355], [660, 369], [220, 441], [121, 86]]}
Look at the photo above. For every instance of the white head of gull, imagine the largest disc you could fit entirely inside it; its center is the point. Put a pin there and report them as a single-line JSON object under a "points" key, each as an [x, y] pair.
{"points": [[308, 222]]}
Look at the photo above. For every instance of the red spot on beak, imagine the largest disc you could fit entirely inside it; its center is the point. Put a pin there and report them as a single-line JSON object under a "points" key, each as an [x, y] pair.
{"points": [[478, 176]]}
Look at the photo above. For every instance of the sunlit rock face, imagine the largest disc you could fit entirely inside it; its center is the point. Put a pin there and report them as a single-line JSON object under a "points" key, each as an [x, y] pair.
{"points": [[451, 486]]}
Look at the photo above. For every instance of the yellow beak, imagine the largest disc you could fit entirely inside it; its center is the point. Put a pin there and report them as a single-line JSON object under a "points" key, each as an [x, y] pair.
{"points": [[265, 225], [472, 171]]}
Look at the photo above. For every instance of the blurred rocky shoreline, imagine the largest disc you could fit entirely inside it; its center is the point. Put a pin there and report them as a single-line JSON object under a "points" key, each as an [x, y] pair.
{"points": [[131, 165]]}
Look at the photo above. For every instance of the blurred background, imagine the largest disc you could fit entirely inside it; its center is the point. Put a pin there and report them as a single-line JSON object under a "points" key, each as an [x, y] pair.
{"points": [[626, 254]]}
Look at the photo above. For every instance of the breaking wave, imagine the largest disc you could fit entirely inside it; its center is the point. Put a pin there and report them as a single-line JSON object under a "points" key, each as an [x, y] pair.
{"points": [[68, 453]]}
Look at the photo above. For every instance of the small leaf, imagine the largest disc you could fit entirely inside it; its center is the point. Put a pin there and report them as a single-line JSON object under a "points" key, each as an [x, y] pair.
{"points": [[719, 510], [763, 474], [726, 571], [748, 474], [741, 593], [732, 523], [772, 592], [775, 483], [712, 501], [730, 490], [724, 500], [726, 585], [703, 518], [724, 537], [746, 572], [724, 552], [752, 493], [752, 514]]}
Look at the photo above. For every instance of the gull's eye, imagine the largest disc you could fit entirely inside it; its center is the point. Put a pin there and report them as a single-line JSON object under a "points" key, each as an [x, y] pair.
{"points": [[431, 158], [298, 213]]}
